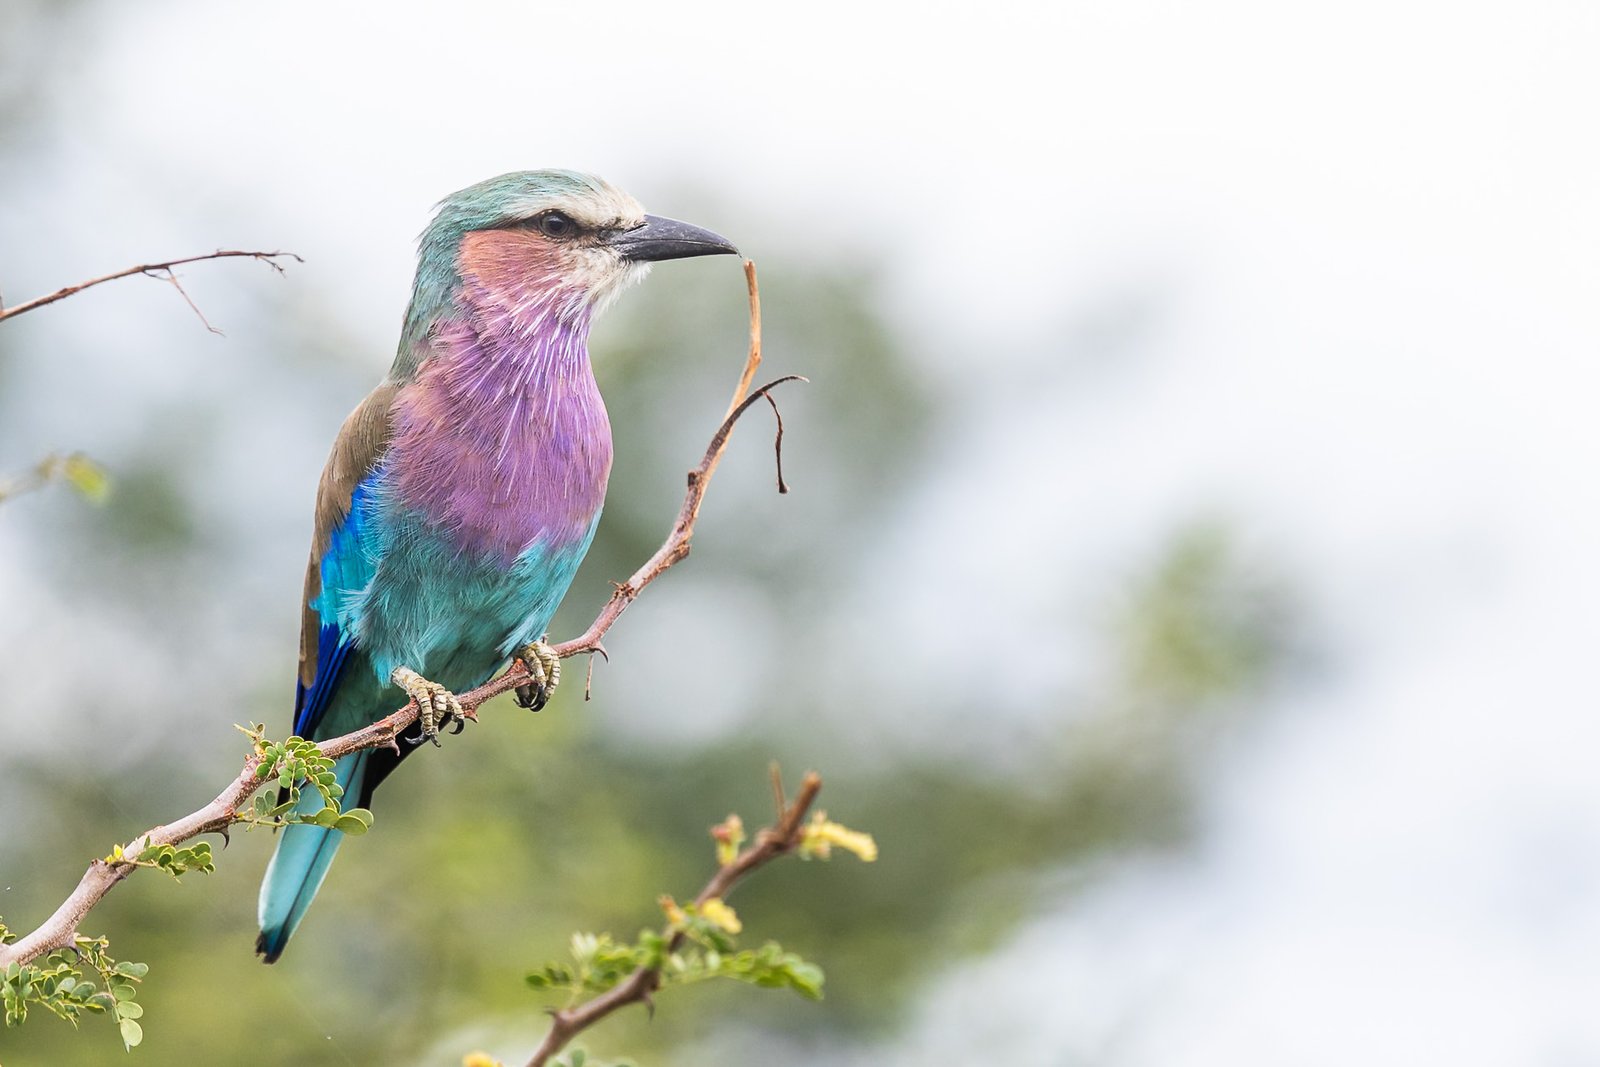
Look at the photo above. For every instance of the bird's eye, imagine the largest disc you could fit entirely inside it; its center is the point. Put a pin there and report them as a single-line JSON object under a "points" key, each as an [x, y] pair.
{"points": [[555, 224]]}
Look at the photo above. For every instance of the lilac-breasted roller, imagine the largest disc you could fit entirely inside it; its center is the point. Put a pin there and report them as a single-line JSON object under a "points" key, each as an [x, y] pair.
{"points": [[461, 495]]}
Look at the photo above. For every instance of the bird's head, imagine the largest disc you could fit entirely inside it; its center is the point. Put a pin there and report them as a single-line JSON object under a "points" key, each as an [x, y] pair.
{"points": [[550, 242]]}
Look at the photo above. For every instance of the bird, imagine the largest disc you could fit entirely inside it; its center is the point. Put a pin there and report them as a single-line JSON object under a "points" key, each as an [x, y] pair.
{"points": [[461, 495]]}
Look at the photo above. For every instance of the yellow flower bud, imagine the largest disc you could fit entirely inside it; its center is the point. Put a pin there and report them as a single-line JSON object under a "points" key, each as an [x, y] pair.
{"points": [[718, 913], [821, 836]]}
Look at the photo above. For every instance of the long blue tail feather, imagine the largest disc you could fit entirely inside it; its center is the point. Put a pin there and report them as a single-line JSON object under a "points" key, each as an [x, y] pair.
{"points": [[301, 862]]}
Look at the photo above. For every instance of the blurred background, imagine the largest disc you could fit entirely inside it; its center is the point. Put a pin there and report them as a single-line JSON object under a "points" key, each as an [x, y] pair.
{"points": [[1188, 575]]}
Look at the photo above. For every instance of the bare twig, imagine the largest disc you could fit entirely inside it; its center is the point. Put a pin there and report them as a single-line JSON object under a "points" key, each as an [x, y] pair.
{"points": [[170, 276], [782, 837], [58, 930], [162, 270], [779, 794], [777, 444]]}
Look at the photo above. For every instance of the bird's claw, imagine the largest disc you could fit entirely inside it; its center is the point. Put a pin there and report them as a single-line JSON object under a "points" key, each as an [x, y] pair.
{"points": [[436, 705], [544, 667]]}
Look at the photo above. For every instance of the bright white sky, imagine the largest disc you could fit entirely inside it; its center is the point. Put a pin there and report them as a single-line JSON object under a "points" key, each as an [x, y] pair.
{"points": [[1380, 228]]}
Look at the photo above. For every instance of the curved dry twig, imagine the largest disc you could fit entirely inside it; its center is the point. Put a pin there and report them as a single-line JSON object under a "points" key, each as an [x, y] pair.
{"points": [[59, 930]]}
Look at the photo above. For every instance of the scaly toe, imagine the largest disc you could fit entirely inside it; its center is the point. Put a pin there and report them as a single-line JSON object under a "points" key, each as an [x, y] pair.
{"points": [[544, 667], [436, 705]]}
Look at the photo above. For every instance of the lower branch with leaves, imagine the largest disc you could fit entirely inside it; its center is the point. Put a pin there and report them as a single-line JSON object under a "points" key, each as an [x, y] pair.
{"points": [[57, 968], [698, 941]]}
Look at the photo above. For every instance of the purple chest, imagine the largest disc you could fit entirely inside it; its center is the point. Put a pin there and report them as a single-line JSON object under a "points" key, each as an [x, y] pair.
{"points": [[501, 441]]}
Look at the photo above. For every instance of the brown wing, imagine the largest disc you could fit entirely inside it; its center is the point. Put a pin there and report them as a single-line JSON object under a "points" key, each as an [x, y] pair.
{"points": [[356, 451]]}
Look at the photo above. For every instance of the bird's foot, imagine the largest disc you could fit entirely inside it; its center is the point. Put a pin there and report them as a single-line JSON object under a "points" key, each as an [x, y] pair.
{"points": [[436, 705], [544, 665]]}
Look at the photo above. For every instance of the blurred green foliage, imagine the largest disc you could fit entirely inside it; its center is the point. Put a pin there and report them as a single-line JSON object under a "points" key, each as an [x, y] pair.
{"points": [[525, 828]]}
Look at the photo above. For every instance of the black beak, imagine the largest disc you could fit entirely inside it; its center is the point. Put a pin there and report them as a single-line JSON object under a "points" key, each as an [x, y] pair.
{"points": [[661, 238]]}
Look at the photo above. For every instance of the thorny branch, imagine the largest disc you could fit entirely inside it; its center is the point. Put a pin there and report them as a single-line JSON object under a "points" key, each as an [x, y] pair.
{"points": [[784, 836], [59, 930], [162, 271]]}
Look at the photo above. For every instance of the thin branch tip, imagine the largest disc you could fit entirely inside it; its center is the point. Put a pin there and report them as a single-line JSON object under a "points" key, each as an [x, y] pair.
{"points": [[161, 271], [780, 796]]}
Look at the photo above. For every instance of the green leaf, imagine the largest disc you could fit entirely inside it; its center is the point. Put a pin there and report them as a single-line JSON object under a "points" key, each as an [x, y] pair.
{"points": [[349, 824], [132, 1033], [130, 1009], [87, 477], [806, 978], [124, 992], [134, 970]]}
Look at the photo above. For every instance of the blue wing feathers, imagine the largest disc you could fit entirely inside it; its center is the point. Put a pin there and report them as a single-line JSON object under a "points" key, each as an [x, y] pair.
{"points": [[346, 569], [351, 559], [309, 704]]}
